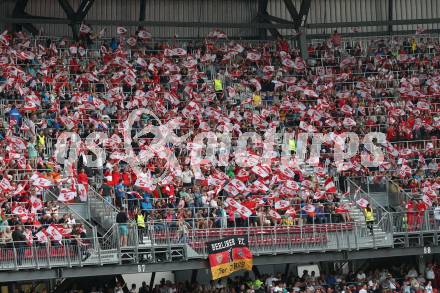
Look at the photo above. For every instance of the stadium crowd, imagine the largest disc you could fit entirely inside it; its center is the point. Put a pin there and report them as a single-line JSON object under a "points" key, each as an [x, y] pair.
{"points": [[49, 86], [398, 278]]}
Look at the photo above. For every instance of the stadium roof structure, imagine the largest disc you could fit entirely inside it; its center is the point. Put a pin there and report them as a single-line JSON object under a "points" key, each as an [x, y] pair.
{"points": [[242, 18]]}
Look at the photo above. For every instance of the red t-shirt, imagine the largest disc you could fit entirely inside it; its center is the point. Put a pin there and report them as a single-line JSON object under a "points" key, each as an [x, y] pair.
{"points": [[116, 176], [126, 178], [83, 178]]}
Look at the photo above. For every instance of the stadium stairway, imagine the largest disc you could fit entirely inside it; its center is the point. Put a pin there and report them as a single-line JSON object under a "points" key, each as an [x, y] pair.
{"points": [[80, 217], [380, 238], [102, 213]]}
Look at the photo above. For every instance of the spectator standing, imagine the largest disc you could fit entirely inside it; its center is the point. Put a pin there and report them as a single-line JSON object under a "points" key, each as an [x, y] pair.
{"points": [[107, 192], [140, 221], [122, 220], [19, 243], [369, 218]]}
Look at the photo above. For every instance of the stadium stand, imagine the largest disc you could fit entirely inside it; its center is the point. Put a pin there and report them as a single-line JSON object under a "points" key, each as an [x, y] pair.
{"points": [[240, 138]]}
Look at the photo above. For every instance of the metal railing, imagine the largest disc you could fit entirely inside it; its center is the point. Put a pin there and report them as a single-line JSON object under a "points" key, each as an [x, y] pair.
{"points": [[49, 194], [102, 210], [381, 213], [173, 243]]}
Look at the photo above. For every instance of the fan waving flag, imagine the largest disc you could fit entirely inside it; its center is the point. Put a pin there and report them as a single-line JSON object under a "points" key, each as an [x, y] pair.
{"points": [[53, 232], [42, 236], [282, 204], [329, 186], [262, 171], [39, 181], [5, 185], [229, 255], [362, 203], [237, 207], [66, 195]]}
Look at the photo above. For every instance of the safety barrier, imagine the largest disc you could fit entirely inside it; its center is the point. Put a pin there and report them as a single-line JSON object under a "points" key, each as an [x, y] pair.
{"points": [[145, 245]]}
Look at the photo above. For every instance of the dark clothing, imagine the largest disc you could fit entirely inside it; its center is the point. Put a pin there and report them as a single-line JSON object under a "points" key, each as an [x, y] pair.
{"points": [[122, 218], [18, 236], [19, 244], [106, 190]]}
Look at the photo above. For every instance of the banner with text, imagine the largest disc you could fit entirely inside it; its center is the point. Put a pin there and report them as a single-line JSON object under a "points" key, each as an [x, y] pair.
{"points": [[229, 255]]}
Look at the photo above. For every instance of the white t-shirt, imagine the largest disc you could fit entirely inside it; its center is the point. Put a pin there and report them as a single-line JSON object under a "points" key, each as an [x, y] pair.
{"points": [[363, 291], [412, 274], [430, 274], [437, 213], [361, 276], [187, 176], [270, 280]]}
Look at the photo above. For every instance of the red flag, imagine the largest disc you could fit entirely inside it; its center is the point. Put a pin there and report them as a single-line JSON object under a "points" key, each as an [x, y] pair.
{"points": [[121, 30], [329, 186], [282, 204], [237, 207], [362, 203], [36, 204], [66, 195], [274, 214], [42, 236], [82, 192], [261, 171], [53, 232]]}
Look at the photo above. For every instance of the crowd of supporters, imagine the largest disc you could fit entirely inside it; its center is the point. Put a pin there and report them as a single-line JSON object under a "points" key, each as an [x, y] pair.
{"points": [[397, 278], [49, 86]]}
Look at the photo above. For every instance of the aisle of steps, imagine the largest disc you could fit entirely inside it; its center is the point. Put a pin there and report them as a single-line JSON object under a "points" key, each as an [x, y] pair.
{"points": [[102, 212], [379, 238]]}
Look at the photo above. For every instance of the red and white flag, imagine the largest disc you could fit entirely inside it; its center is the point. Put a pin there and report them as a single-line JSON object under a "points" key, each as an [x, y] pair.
{"points": [[85, 29], [237, 207], [36, 204], [405, 171], [329, 186], [281, 204], [309, 208], [262, 171], [20, 211], [427, 200], [39, 181], [253, 56], [291, 212], [143, 34], [28, 235], [257, 186], [235, 187], [82, 192], [274, 214], [131, 41], [362, 202], [54, 233], [5, 185], [145, 183], [66, 194], [348, 122], [121, 30], [42, 236], [292, 185], [179, 52], [135, 194]]}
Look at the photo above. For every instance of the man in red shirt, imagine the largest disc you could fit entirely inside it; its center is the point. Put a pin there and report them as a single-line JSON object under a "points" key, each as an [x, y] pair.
{"points": [[116, 176], [83, 178], [126, 178]]}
